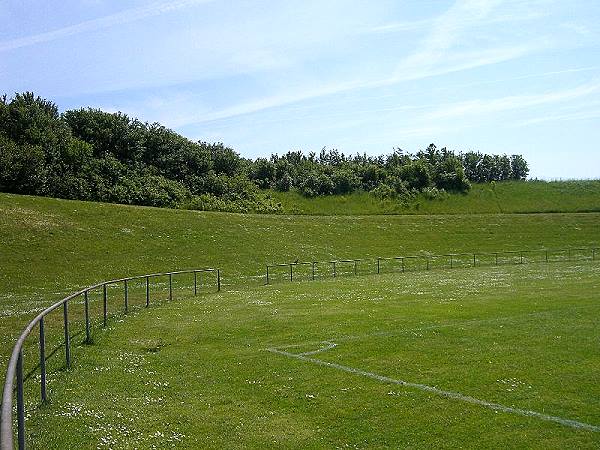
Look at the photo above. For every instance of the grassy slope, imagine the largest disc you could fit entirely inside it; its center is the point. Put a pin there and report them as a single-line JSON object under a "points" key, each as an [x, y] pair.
{"points": [[50, 247], [505, 197], [484, 332]]}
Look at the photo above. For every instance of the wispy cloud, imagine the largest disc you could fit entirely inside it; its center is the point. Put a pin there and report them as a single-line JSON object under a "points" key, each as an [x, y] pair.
{"points": [[586, 114], [120, 18], [400, 26], [447, 30], [519, 12], [487, 106], [434, 56]]}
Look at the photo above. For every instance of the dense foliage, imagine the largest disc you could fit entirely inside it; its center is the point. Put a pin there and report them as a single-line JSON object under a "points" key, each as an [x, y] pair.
{"points": [[89, 154]]}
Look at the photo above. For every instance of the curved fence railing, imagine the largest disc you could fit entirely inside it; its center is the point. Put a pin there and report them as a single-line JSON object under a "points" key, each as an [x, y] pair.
{"points": [[15, 372], [331, 269], [274, 272]]}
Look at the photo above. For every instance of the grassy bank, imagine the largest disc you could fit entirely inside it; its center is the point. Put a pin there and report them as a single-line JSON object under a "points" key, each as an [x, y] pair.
{"points": [[50, 247], [504, 197], [53, 245]]}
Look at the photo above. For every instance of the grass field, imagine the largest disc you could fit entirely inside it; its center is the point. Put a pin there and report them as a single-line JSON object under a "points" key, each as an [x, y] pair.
{"points": [[506, 197], [212, 351], [494, 357], [50, 247]]}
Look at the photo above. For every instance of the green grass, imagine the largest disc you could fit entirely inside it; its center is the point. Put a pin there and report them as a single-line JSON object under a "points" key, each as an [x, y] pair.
{"points": [[504, 197], [197, 372], [50, 247]]}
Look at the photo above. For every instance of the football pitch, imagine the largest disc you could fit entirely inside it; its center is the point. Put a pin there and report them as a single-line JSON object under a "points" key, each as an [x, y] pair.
{"points": [[505, 356]]}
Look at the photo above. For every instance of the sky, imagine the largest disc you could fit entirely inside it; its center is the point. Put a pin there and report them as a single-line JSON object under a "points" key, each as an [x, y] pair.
{"points": [[512, 76]]}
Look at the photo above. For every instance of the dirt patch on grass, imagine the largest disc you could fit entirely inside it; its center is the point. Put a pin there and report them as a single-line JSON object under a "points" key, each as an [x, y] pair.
{"points": [[30, 218]]}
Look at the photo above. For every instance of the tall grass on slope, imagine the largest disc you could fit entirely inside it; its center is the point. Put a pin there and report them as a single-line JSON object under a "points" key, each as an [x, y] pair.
{"points": [[486, 198]]}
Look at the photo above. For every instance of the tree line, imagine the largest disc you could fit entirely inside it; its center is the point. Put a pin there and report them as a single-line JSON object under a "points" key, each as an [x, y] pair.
{"points": [[89, 154]]}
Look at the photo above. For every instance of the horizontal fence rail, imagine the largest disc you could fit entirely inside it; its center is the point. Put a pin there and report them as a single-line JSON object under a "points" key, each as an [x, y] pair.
{"points": [[331, 269], [15, 370]]}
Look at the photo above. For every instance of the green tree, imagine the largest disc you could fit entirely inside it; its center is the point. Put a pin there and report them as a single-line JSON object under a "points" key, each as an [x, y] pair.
{"points": [[109, 133], [416, 174], [519, 167]]}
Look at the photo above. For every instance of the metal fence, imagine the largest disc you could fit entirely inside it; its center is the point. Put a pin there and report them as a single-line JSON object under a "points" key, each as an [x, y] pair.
{"points": [[15, 370], [312, 270]]}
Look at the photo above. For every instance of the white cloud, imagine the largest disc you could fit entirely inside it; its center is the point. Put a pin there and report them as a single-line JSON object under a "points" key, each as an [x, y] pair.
{"points": [[400, 26], [578, 28], [578, 115], [434, 57], [120, 18], [486, 106]]}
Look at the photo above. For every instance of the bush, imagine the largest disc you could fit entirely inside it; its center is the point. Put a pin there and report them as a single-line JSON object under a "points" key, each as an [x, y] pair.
{"points": [[432, 193], [285, 183], [315, 184], [383, 191], [416, 174], [149, 190], [344, 181], [22, 168], [450, 176], [262, 204], [262, 172]]}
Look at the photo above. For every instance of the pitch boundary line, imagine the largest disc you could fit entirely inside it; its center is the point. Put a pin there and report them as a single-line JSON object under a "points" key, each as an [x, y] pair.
{"points": [[306, 357], [464, 323]]}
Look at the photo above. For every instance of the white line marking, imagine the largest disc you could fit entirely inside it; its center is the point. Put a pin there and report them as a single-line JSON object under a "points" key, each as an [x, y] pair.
{"points": [[423, 387], [328, 346], [506, 319]]}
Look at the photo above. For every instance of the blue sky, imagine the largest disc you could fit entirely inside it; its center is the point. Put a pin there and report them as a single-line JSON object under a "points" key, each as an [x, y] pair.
{"points": [[513, 76]]}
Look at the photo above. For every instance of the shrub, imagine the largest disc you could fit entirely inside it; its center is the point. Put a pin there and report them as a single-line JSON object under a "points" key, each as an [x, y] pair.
{"points": [[416, 174], [22, 168], [383, 191], [432, 193], [344, 181], [285, 183]]}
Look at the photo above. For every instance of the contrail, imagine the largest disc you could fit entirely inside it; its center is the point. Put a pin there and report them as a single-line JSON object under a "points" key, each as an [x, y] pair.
{"points": [[122, 17]]}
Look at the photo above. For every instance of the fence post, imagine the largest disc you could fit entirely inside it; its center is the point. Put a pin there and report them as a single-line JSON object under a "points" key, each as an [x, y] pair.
{"points": [[334, 274], [87, 317], [218, 280], [355, 268], [496, 258], [170, 287], [593, 254], [195, 283], [474, 260], [147, 292], [291, 272], [42, 360], [20, 402], [402, 264], [125, 287], [451, 262], [313, 270], [378, 259], [104, 305], [67, 338], [267, 274], [546, 255]]}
